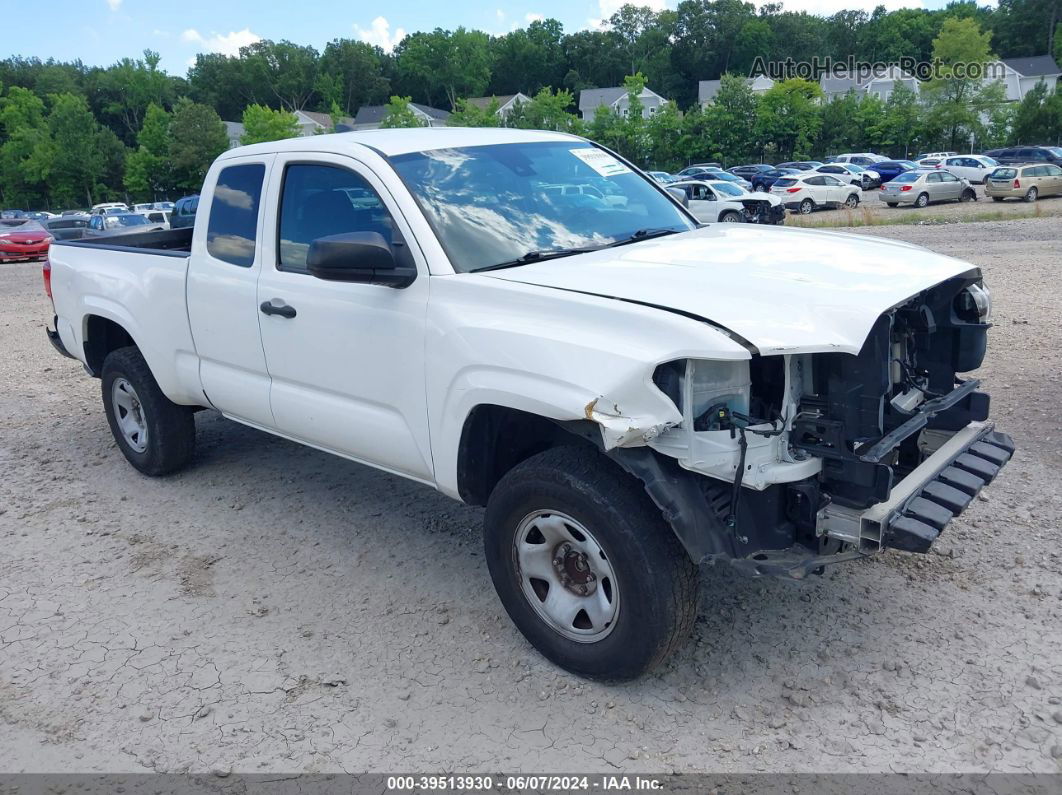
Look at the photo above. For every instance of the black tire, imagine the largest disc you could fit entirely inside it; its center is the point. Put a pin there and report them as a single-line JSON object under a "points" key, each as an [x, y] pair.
{"points": [[922, 200], [997, 198], [806, 207], [968, 196], [170, 429], [1031, 195], [890, 204], [655, 580], [852, 201], [730, 217]]}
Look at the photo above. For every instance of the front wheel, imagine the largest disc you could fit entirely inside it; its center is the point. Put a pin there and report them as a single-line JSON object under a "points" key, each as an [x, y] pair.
{"points": [[997, 198], [890, 204], [586, 567], [806, 207], [155, 434], [730, 217], [968, 196]]}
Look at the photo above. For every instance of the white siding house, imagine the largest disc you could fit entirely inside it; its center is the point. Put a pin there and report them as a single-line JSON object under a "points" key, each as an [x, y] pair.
{"points": [[506, 102], [880, 86], [707, 89], [615, 99], [1022, 74]]}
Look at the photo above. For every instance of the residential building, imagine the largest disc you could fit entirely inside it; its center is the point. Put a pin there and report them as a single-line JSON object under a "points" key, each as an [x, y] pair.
{"points": [[1022, 74], [707, 89], [616, 99], [234, 129], [369, 117], [311, 123], [506, 102], [835, 85]]}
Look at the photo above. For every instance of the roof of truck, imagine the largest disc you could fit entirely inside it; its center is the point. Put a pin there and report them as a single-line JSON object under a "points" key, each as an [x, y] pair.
{"points": [[402, 141]]}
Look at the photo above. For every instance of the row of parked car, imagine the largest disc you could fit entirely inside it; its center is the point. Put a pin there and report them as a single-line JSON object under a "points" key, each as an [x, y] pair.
{"points": [[26, 235]]}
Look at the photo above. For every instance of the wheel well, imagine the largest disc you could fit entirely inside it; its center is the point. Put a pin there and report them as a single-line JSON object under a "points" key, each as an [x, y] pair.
{"points": [[497, 438], [101, 337]]}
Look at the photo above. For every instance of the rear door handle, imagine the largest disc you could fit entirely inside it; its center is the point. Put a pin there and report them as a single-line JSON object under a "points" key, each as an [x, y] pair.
{"points": [[269, 308]]}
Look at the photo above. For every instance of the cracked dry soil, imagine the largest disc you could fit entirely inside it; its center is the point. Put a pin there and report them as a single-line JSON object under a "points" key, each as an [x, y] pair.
{"points": [[277, 609]]}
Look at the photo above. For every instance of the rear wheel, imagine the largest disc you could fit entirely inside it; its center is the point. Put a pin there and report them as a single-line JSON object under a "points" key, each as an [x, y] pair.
{"points": [[997, 198], [730, 217], [806, 207], [586, 567], [1031, 195], [922, 200], [155, 434]]}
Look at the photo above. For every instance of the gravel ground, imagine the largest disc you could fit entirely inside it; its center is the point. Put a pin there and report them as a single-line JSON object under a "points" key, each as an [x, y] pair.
{"points": [[873, 210], [277, 609]]}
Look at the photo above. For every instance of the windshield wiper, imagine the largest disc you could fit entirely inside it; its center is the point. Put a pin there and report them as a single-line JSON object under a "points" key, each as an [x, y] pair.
{"points": [[643, 234], [536, 256]]}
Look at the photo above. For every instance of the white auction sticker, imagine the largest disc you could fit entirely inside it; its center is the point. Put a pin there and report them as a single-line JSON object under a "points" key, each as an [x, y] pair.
{"points": [[601, 162]]}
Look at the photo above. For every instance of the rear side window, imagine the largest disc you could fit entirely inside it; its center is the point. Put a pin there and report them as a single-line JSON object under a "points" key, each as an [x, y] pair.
{"points": [[233, 223]]}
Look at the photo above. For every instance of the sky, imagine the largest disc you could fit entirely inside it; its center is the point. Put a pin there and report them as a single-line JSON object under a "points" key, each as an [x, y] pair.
{"points": [[100, 32]]}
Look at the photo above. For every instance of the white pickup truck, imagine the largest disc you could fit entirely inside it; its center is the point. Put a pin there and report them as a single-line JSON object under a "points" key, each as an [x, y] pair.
{"points": [[629, 393]]}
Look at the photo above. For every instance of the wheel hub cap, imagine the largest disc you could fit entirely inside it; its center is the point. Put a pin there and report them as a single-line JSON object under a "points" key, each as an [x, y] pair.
{"points": [[129, 415], [566, 576]]}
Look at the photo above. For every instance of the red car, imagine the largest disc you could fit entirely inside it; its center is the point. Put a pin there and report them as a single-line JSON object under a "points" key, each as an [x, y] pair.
{"points": [[23, 239]]}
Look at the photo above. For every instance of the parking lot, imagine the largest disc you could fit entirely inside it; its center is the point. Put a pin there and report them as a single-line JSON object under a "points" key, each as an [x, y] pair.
{"points": [[277, 609]]}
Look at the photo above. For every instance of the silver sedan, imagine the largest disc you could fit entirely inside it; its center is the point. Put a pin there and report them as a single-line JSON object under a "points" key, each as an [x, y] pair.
{"points": [[924, 186]]}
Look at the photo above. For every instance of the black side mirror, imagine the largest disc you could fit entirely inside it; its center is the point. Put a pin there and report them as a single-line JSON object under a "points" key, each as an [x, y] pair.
{"points": [[680, 195], [364, 257]]}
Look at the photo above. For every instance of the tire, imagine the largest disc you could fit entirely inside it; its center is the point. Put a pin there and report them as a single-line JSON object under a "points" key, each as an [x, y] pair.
{"points": [[1031, 195], [997, 198], [852, 202], [806, 207], [922, 200], [155, 434], [967, 196], [645, 585], [730, 217], [891, 204]]}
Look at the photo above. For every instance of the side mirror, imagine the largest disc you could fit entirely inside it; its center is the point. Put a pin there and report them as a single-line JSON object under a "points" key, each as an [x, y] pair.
{"points": [[680, 196], [364, 257]]}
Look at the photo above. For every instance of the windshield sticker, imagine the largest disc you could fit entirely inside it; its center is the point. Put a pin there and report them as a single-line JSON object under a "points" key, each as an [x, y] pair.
{"points": [[601, 162]]}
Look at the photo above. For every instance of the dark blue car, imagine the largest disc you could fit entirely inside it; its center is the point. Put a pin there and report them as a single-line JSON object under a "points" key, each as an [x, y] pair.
{"points": [[890, 169], [764, 179]]}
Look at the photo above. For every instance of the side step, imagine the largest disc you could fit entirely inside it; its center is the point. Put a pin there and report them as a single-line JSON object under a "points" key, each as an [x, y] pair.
{"points": [[926, 513]]}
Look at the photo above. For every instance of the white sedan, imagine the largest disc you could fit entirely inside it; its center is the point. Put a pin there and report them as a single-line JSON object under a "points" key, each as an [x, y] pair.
{"points": [[807, 192], [717, 201]]}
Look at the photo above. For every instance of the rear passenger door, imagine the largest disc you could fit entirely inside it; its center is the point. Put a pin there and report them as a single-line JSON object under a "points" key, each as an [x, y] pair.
{"points": [[223, 290]]}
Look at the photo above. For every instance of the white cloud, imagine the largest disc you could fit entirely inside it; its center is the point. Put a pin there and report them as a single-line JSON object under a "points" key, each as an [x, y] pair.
{"points": [[114, 5], [379, 34], [225, 43], [532, 17]]}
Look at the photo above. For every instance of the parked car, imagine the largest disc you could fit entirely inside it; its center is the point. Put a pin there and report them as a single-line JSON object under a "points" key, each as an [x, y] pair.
{"points": [[859, 158], [888, 170], [9, 214], [1024, 182], [712, 201], [719, 175], [662, 177], [750, 170], [974, 168], [160, 217], [104, 207], [851, 173], [23, 239], [665, 396], [68, 227], [801, 165], [922, 186], [937, 155], [811, 191], [184, 210], [1030, 154], [764, 179], [74, 212], [109, 224]]}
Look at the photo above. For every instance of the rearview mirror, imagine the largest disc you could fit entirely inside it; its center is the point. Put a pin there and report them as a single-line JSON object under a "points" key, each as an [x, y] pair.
{"points": [[364, 257], [680, 196]]}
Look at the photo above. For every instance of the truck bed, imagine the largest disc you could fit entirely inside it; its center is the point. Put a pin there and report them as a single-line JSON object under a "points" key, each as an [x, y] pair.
{"points": [[167, 242]]}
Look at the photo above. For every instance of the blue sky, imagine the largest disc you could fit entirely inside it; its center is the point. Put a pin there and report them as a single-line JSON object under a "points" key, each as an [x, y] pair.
{"points": [[100, 32]]}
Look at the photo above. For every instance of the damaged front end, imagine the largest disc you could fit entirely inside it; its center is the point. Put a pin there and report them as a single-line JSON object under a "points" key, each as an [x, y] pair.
{"points": [[762, 211], [783, 464]]}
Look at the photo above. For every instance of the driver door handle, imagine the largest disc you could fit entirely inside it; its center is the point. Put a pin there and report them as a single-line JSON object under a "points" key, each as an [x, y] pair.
{"points": [[283, 310]]}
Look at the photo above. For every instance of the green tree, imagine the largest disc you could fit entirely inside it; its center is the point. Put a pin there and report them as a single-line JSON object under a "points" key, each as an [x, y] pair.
{"points": [[197, 137], [400, 114], [80, 161], [287, 70], [725, 130], [469, 115], [665, 138], [148, 171], [1032, 120], [790, 118], [27, 154], [528, 59], [261, 124], [355, 74], [127, 89], [546, 110], [902, 121], [444, 64]]}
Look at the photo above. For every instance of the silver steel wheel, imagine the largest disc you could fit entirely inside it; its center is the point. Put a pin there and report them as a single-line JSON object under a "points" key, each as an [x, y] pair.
{"points": [[566, 576], [730, 218], [129, 414]]}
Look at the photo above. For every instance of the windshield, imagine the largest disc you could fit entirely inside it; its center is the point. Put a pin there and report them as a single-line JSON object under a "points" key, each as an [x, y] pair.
{"points": [[908, 176], [727, 188], [784, 182], [124, 220], [491, 205]]}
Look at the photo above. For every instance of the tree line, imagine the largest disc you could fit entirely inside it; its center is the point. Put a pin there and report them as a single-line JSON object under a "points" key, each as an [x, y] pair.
{"points": [[72, 134]]}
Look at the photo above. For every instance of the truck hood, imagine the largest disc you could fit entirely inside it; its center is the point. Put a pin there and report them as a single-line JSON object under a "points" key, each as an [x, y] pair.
{"points": [[780, 290]]}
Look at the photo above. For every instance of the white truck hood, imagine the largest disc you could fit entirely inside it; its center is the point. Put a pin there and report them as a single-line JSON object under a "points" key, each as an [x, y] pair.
{"points": [[782, 290]]}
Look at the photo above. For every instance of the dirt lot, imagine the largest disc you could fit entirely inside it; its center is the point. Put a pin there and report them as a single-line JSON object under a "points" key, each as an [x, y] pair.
{"points": [[277, 609], [872, 210]]}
